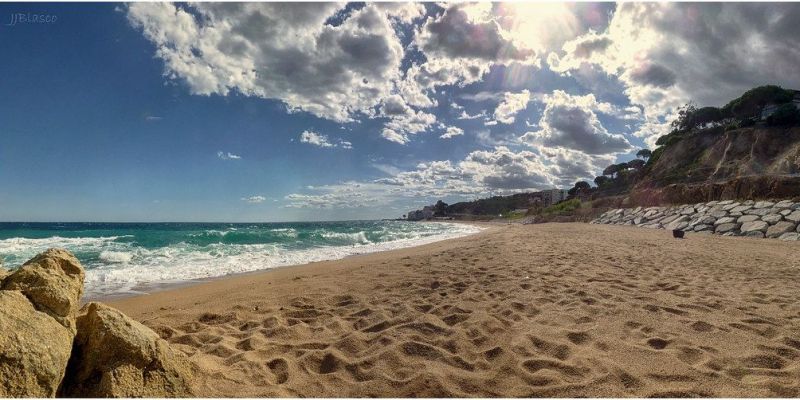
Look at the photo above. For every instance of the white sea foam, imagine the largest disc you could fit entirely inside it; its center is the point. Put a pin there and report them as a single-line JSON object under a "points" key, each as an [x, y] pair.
{"points": [[120, 266], [183, 262]]}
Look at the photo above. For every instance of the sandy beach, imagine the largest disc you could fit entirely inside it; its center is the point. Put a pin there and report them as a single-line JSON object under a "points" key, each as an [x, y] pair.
{"points": [[559, 310]]}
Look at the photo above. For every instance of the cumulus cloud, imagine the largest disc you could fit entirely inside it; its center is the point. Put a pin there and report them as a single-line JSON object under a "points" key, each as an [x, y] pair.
{"points": [[669, 53], [254, 199], [320, 140], [452, 131], [511, 104], [570, 122], [282, 51], [481, 173], [227, 156]]}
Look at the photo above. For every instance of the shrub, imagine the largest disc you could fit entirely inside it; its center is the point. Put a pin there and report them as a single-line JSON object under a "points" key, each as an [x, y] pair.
{"points": [[784, 115], [565, 207]]}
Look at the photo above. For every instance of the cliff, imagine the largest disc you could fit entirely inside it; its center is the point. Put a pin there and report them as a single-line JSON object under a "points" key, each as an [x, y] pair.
{"points": [[714, 164]]}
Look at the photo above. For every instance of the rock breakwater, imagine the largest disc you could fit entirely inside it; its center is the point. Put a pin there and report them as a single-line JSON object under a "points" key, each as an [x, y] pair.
{"points": [[759, 219]]}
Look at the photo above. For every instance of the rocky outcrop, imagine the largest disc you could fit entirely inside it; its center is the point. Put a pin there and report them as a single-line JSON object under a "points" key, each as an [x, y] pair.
{"points": [[53, 282], [45, 350], [34, 348], [37, 304], [730, 218], [116, 356]]}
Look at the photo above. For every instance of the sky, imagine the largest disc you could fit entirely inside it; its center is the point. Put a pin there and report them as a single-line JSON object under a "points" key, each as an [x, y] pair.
{"points": [[250, 112]]}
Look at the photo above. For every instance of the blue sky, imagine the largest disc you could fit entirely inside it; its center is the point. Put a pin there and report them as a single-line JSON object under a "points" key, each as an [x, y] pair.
{"points": [[158, 112]]}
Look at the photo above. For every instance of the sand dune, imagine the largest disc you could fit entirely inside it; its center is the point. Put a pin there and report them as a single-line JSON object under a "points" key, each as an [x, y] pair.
{"points": [[538, 310]]}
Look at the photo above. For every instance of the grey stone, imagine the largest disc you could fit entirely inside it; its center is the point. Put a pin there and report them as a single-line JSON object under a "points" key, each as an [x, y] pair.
{"points": [[718, 214], [785, 212], [794, 216], [688, 211], [772, 219], [725, 202], [763, 204], [780, 228], [789, 236], [725, 220], [726, 228], [784, 204], [740, 209], [747, 218], [754, 226], [758, 211], [730, 206], [702, 227], [754, 234], [679, 225], [668, 219]]}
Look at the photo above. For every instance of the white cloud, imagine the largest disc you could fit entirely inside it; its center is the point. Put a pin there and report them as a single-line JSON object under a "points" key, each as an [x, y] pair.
{"points": [[227, 156], [282, 51], [320, 140], [452, 131], [666, 54], [254, 199], [512, 103], [570, 122]]}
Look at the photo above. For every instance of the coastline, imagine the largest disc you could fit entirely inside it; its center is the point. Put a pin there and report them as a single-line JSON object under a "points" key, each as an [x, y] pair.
{"points": [[152, 288], [558, 310]]}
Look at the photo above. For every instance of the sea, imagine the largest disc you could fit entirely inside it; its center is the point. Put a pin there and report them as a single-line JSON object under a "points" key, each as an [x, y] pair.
{"points": [[133, 258]]}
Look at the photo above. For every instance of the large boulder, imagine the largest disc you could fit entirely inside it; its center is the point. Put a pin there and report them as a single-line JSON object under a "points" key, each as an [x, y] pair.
{"points": [[115, 356], [754, 226], [53, 282], [780, 228], [34, 348]]}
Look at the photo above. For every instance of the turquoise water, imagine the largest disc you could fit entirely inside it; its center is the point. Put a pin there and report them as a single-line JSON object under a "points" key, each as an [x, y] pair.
{"points": [[130, 258]]}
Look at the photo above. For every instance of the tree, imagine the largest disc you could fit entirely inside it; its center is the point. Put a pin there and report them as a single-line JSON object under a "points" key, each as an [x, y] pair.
{"points": [[644, 154], [580, 187], [636, 164], [749, 105], [611, 170], [602, 180], [786, 114], [683, 121], [440, 209]]}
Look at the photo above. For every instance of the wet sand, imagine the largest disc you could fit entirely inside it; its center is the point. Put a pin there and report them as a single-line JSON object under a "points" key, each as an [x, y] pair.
{"points": [[558, 310]]}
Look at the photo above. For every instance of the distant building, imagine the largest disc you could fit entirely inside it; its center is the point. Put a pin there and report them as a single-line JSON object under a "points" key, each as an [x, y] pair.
{"points": [[418, 215], [553, 196], [770, 109]]}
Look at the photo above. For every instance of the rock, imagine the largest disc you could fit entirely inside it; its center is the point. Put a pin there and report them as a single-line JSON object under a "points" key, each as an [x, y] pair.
{"points": [[34, 348], [772, 218], [726, 228], [763, 204], [759, 211], [702, 227], [785, 212], [784, 204], [53, 282], [754, 234], [719, 214], [789, 236], [780, 228], [725, 202], [747, 218], [740, 209], [730, 206], [115, 356], [679, 223], [724, 220], [754, 226], [668, 219], [688, 211], [794, 216]]}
